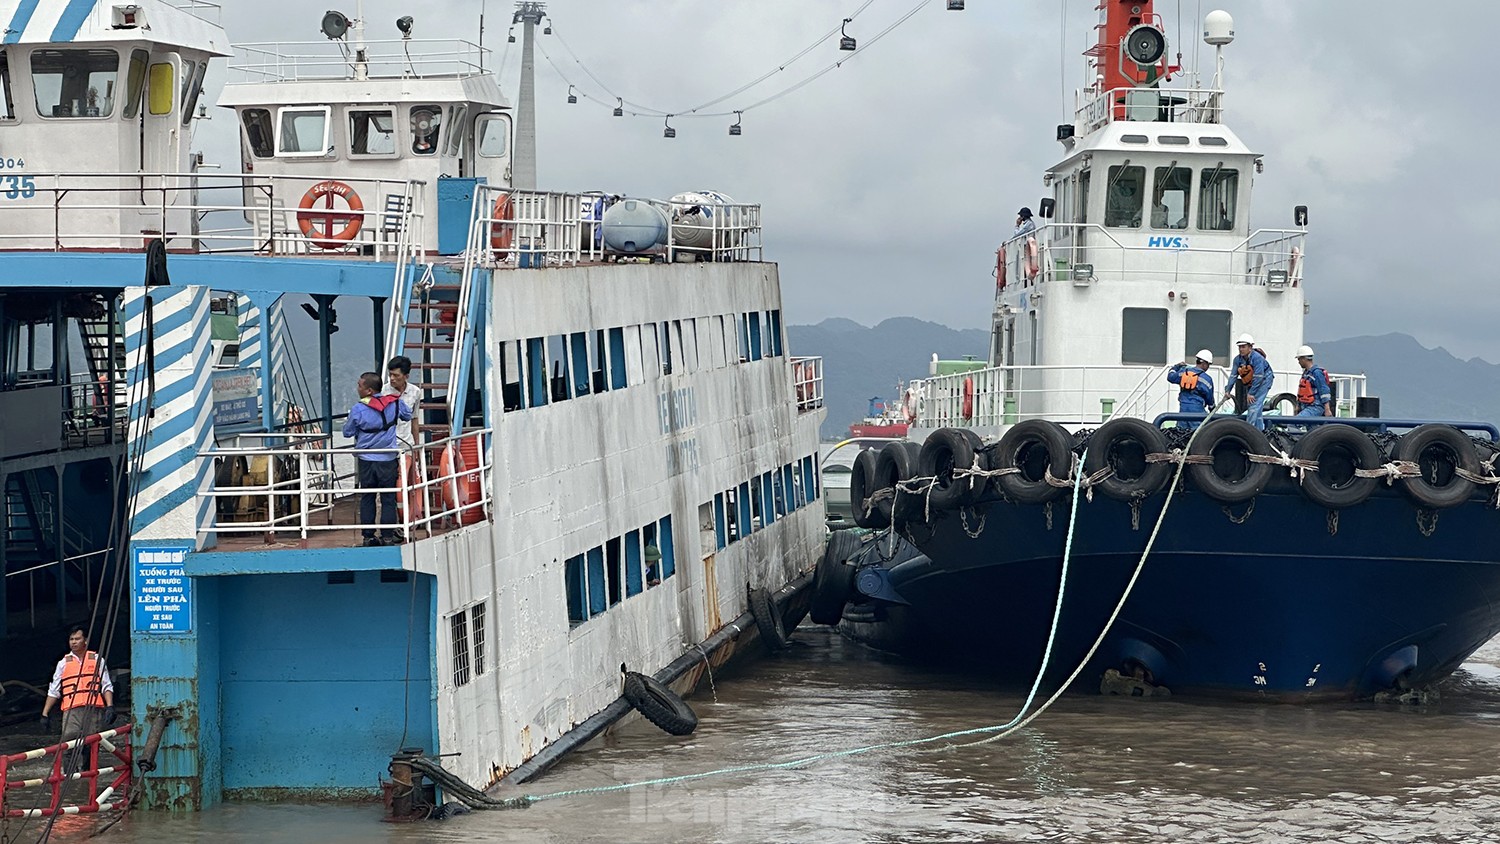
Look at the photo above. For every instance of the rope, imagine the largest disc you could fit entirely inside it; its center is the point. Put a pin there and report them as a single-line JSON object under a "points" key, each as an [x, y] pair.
{"points": [[1299, 468], [466, 794]]}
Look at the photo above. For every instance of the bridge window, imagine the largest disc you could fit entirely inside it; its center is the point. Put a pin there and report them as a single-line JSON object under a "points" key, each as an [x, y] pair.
{"points": [[372, 132], [1144, 336], [135, 82], [160, 89], [302, 132], [1169, 203], [74, 83], [7, 102], [1125, 197], [192, 87], [456, 115], [426, 129], [494, 136], [1207, 330], [1216, 199], [257, 122]]}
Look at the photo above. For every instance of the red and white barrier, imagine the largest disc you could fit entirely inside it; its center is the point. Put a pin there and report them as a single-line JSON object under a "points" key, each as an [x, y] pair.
{"points": [[114, 796]]}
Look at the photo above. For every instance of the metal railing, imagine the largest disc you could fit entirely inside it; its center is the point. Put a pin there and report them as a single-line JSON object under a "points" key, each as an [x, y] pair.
{"points": [[291, 61], [115, 795], [530, 229], [1094, 109], [1085, 395], [256, 214], [807, 383], [305, 477], [201, 9], [1088, 253]]}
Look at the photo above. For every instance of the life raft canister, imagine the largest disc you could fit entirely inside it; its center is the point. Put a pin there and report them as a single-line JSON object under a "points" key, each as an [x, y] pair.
{"points": [[308, 217]]}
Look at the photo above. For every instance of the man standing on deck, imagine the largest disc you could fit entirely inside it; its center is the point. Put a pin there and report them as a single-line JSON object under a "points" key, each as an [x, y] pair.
{"points": [[1024, 224], [372, 423], [1314, 394], [398, 371], [1195, 389], [1251, 369], [81, 683]]}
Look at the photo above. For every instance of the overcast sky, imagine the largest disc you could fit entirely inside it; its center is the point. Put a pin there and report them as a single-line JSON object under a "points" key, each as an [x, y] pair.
{"points": [[887, 183]]}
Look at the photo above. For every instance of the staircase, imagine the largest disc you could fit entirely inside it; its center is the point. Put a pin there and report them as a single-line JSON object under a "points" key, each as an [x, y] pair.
{"points": [[104, 350]]}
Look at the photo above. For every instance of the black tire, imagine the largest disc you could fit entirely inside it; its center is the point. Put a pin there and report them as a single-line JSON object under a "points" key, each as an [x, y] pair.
{"points": [[1231, 477], [946, 450], [861, 487], [1122, 444], [897, 463], [1338, 450], [1274, 403], [768, 620], [1438, 449], [833, 581], [659, 704], [1033, 446]]}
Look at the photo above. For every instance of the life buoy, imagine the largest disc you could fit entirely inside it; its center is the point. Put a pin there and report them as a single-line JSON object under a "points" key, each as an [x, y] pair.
{"points": [[1294, 267], [1000, 269], [909, 405], [308, 217], [798, 384], [1033, 266], [461, 489], [413, 500], [502, 231], [968, 398]]}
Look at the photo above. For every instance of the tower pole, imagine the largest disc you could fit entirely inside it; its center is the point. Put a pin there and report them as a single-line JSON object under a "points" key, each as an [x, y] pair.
{"points": [[523, 161]]}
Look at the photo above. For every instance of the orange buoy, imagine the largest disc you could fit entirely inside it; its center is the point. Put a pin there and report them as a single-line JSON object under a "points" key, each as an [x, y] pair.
{"points": [[308, 217], [968, 398]]}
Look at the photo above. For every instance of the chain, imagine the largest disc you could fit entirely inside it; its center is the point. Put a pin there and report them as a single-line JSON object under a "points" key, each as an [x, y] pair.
{"points": [[1047, 511], [1427, 521], [1239, 520], [963, 517], [1333, 522], [1135, 512]]}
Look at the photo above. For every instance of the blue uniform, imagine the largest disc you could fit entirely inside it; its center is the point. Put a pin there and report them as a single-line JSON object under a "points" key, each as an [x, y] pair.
{"points": [[1313, 392], [372, 424], [1195, 399], [1260, 384]]}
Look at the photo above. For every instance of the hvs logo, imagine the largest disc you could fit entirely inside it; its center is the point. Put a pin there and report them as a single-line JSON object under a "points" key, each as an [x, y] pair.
{"points": [[1167, 243]]}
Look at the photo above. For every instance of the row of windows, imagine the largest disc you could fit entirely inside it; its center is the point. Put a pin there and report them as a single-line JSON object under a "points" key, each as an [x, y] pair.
{"points": [[1171, 197], [371, 132], [85, 83], [466, 630], [1144, 334], [740, 511], [545, 370], [621, 568]]}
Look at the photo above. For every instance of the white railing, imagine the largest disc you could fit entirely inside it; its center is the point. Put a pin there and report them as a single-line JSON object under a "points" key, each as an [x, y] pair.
{"points": [[205, 213], [202, 9], [290, 61], [1093, 110], [1088, 253], [530, 229], [807, 383], [305, 477], [1079, 395]]}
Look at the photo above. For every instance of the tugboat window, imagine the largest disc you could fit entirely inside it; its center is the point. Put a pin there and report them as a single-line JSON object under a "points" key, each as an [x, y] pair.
{"points": [[456, 115], [1169, 203], [1216, 199], [493, 142], [257, 123], [1125, 198], [74, 83], [160, 89], [426, 129], [1207, 330], [7, 103], [302, 132], [1144, 336], [192, 88], [135, 82], [372, 133]]}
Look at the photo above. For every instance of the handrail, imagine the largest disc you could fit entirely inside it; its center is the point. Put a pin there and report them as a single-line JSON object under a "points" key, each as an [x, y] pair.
{"points": [[1378, 425]]}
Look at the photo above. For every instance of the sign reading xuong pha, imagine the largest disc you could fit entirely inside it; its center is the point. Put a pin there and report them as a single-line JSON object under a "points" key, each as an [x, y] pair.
{"points": [[162, 592]]}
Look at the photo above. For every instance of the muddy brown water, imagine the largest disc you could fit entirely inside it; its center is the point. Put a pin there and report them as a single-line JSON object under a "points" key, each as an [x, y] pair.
{"points": [[1091, 769]]}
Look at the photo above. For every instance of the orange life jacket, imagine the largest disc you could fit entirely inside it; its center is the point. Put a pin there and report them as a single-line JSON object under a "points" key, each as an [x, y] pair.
{"points": [[1305, 393], [81, 683], [1246, 372], [1189, 381]]}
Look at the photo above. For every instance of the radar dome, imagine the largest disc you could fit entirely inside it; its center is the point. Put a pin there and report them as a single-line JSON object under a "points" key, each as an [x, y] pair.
{"points": [[1218, 28]]}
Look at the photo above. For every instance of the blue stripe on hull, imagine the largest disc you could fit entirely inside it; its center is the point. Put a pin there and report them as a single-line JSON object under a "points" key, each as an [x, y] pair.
{"points": [[19, 21], [1327, 615]]}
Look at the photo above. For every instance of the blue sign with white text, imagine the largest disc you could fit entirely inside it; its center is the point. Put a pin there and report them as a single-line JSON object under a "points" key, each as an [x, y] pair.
{"points": [[162, 590]]}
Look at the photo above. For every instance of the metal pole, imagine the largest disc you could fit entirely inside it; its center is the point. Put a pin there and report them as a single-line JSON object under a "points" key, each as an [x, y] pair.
{"points": [[379, 334], [325, 307]]}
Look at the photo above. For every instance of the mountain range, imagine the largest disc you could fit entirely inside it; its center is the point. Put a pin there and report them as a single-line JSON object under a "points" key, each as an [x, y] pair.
{"points": [[1412, 380]]}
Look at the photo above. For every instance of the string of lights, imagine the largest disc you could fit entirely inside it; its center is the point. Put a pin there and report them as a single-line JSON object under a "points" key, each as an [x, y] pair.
{"points": [[622, 107]]}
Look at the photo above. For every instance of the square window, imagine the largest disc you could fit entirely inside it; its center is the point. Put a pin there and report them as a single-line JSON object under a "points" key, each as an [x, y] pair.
{"points": [[1144, 336]]}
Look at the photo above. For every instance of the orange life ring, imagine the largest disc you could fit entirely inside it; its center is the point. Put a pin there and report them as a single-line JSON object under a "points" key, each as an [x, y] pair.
{"points": [[1032, 265], [968, 398], [502, 233], [413, 500], [460, 486], [1000, 269], [798, 384], [1294, 267], [308, 217], [909, 406]]}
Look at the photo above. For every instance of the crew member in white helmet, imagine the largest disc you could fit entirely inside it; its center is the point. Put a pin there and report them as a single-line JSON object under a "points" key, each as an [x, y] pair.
{"points": [[1314, 394], [1195, 388], [1251, 370]]}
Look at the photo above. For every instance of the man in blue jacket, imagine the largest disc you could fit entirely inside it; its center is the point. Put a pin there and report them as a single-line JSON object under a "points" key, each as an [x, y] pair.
{"points": [[1251, 369], [372, 423], [1314, 395], [1195, 387]]}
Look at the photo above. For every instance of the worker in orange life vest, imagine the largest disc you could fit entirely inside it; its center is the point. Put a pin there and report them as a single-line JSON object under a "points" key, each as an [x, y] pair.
{"points": [[81, 683], [1254, 372], [1195, 386], [1314, 395]]}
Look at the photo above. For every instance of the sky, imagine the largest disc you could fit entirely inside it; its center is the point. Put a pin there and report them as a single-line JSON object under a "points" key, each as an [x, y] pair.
{"points": [[887, 184]]}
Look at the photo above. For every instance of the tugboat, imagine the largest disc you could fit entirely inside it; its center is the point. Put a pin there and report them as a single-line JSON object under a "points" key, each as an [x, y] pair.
{"points": [[884, 419], [1342, 556], [612, 463]]}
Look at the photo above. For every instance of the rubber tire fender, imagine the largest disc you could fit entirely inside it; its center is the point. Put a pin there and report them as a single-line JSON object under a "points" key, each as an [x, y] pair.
{"points": [[1215, 434], [899, 462], [1013, 452], [833, 581], [1414, 445], [1318, 486], [861, 486], [768, 619], [1105, 449], [945, 450], [1277, 400], [659, 704]]}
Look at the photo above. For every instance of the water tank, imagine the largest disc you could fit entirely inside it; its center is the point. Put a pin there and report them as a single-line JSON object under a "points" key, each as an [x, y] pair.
{"points": [[1218, 28], [697, 216], [631, 225]]}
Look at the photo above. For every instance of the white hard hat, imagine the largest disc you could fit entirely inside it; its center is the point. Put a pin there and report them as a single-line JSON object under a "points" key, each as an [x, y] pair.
{"points": [[1205, 355], [1245, 340], [1304, 351]]}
